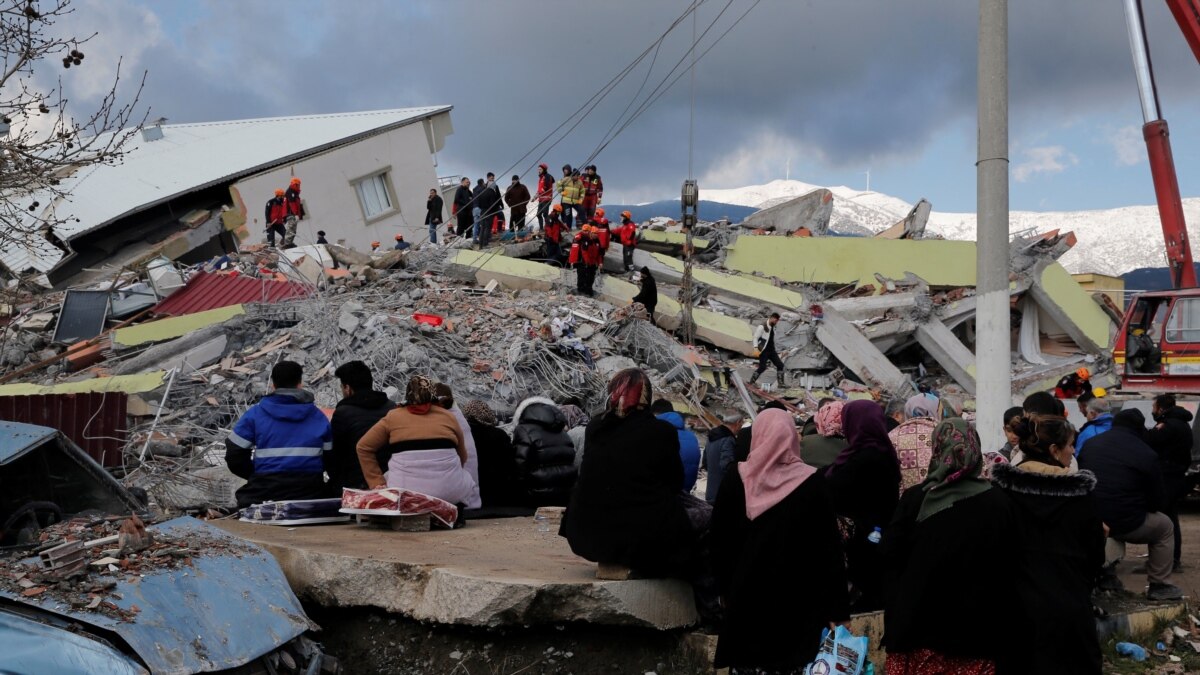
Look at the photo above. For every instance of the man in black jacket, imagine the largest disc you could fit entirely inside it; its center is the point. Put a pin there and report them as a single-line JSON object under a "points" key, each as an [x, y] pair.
{"points": [[491, 206], [1172, 439], [1130, 496], [462, 207], [719, 453], [360, 408], [517, 197], [433, 213]]}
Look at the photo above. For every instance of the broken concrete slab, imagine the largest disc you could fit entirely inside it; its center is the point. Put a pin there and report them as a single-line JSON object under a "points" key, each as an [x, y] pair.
{"points": [[511, 273], [492, 573], [911, 226], [856, 352], [669, 242], [173, 327], [348, 256], [129, 384], [747, 288], [716, 329], [1060, 296], [810, 211], [944, 346]]}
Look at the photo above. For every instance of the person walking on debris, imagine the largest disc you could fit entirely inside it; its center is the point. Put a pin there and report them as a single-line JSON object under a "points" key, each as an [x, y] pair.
{"points": [[627, 234], [777, 556], [421, 446], [545, 194], [461, 207], [719, 453], [1060, 548], [433, 214], [517, 199], [552, 234], [360, 408], [764, 342], [295, 212], [864, 481], [647, 293], [950, 546], [571, 189], [593, 191], [276, 213], [627, 508], [279, 443], [544, 452]]}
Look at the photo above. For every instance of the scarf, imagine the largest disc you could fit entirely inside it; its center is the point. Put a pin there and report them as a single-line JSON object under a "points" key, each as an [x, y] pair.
{"points": [[477, 411], [829, 419], [575, 415], [629, 390], [865, 429], [955, 470], [921, 405], [774, 468], [420, 395]]}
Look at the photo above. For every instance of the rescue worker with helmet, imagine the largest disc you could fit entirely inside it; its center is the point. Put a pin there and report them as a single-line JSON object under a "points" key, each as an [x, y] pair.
{"points": [[1074, 384], [295, 212], [583, 253], [553, 232], [600, 227], [276, 213], [545, 194], [627, 234]]}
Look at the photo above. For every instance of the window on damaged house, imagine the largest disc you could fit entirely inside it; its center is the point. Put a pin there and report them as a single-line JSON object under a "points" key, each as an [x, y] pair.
{"points": [[375, 194]]}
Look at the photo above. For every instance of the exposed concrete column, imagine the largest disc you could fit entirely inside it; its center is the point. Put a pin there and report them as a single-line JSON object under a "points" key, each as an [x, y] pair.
{"points": [[945, 347], [857, 353], [993, 346]]}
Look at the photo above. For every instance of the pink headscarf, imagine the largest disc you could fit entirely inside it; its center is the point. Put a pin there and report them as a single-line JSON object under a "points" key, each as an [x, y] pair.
{"points": [[829, 419], [774, 468]]}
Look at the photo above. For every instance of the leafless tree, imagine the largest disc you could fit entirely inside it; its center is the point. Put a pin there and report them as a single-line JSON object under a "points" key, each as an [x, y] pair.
{"points": [[42, 140]]}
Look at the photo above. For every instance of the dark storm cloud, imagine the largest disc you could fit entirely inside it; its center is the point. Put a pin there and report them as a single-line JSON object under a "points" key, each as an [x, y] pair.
{"points": [[848, 80]]}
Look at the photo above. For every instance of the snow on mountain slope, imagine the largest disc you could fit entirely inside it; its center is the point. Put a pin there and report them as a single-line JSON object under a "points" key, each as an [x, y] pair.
{"points": [[1111, 241]]}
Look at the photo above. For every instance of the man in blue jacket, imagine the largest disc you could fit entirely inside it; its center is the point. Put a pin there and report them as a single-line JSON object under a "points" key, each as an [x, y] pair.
{"points": [[277, 446], [1100, 420], [689, 447]]}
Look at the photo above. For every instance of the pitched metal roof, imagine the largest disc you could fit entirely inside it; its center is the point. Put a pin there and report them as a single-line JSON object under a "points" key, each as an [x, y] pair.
{"points": [[206, 290], [190, 157], [17, 438]]}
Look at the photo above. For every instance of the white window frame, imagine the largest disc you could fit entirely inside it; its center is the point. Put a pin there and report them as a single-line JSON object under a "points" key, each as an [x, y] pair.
{"points": [[381, 178]]}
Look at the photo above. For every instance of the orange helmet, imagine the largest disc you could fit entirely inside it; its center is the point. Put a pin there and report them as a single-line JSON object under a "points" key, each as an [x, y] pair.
{"points": [[599, 213], [557, 208], [294, 181], [586, 228], [374, 244], [279, 192], [1084, 373], [626, 214]]}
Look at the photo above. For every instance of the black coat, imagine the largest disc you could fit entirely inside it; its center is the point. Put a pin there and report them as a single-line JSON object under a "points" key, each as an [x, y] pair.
{"points": [[498, 478], [1129, 483], [545, 455], [626, 506], [865, 489], [781, 576], [1061, 546], [648, 295], [433, 210], [353, 417], [1173, 440], [517, 197], [490, 204], [962, 557], [718, 458], [463, 203]]}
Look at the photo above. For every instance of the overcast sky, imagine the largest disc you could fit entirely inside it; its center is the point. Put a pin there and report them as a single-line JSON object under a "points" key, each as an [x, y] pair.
{"points": [[838, 87]]}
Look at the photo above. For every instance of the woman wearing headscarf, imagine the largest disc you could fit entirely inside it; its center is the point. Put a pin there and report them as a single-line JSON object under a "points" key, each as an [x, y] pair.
{"points": [[422, 446], [822, 448], [864, 482], [950, 546], [498, 483], [648, 295], [913, 441], [627, 507], [777, 555]]}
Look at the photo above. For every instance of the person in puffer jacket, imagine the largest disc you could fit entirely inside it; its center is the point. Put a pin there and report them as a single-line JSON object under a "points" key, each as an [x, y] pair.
{"points": [[545, 454], [689, 447]]}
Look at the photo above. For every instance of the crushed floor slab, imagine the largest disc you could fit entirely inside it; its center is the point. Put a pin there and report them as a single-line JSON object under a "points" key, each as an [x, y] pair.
{"points": [[491, 573]]}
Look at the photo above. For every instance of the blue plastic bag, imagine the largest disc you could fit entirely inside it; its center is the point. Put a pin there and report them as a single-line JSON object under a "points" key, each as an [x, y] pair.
{"points": [[842, 653]]}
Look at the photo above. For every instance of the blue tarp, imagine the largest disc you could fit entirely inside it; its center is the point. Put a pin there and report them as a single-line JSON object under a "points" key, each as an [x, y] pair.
{"points": [[34, 647], [225, 610]]}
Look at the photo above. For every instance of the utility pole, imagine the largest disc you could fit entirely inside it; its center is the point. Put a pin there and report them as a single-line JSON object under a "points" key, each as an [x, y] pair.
{"points": [[993, 341], [689, 201]]}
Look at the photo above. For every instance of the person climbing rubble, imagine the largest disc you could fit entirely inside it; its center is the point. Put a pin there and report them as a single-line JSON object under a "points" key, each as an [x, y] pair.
{"points": [[648, 293], [420, 447], [401, 245], [545, 194], [295, 212], [552, 234], [279, 443], [276, 213], [627, 234], [360, 409], [764, 344], [1074, 384]]}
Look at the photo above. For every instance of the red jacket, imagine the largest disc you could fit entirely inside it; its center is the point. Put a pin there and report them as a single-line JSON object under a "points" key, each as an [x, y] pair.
{"points": [[554, 230], [545, 187], [591, 252], [605, 233], [573, 258], [291, 199], [276, 210], [593, 189], [627, 233]]}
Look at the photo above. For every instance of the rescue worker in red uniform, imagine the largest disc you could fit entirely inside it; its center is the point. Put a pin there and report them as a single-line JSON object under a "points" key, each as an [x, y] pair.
{"points": [[1074, 384], [600, 227], [545, 194], [627, 235], [552, 232], [295, 212], [276, 213], [584, 258], [593, 191]]}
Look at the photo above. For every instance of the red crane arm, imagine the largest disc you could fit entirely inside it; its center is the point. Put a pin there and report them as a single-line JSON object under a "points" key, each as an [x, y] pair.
{"points": [[1187, 15]]}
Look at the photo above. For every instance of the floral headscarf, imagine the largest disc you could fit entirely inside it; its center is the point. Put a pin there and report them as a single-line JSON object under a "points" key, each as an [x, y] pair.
{"points": [[628, 391], [955, 470], [422, 391], [477, 411], [829, 419]]}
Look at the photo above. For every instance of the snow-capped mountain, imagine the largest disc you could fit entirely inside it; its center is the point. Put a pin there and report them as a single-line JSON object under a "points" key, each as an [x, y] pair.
{"points": [[1111, 241]]}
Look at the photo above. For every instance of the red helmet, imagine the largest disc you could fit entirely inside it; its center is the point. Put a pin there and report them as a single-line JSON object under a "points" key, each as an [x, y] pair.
{"points": [[544, 167]]}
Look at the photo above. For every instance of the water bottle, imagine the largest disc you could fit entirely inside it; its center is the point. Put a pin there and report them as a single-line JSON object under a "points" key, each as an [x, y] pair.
{"points": [[875, 536], [542, 521], [1135, 652]]}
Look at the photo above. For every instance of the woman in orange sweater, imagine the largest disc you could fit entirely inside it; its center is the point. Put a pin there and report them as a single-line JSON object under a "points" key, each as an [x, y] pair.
{"points": [[421, 448]]}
